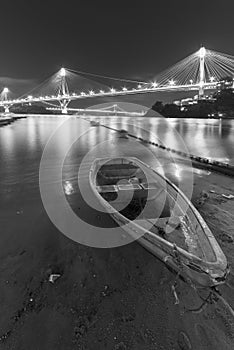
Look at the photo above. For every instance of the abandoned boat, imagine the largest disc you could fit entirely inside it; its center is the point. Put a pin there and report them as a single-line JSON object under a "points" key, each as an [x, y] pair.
{"points": [[151, 208]]}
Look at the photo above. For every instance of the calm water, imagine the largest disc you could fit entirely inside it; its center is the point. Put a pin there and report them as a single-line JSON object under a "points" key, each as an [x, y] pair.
{"points": [[30, 243], [22, 144]]}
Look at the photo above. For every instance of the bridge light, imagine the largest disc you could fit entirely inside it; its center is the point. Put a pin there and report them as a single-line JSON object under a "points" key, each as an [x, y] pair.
{"points": [[202, 52], [124, 89], [171, 82], [112, 90], [212, 79], [30, 97], [139, 86], [91, 92], [154, 84], [191, 81], [62, 72], [5, 90], [102, 91]]}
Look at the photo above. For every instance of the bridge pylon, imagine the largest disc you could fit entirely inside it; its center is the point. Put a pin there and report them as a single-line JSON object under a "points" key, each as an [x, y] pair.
{"points": [[63, 92], [6, 109], [4, 98], [64, 103], [202, 54]]}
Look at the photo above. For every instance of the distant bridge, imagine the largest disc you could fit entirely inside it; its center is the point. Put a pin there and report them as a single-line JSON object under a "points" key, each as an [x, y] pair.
{"points": [[109, 110], [198, 72]]}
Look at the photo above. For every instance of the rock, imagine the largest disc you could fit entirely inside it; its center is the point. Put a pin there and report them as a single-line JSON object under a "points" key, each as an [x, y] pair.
{"points": [[225, 237], [204, 194], [203, 197]]}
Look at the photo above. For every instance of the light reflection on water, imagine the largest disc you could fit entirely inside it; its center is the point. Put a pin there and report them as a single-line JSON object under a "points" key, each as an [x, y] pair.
{"points": [[22, 143], [204, 137]]}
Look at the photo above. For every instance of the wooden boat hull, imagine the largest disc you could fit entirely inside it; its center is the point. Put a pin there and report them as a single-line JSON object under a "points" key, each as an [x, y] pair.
{"points": [[207, 272]]}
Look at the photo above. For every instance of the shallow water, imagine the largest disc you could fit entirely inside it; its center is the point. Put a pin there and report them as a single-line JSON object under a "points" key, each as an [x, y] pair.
{"points": [[22, 144]]}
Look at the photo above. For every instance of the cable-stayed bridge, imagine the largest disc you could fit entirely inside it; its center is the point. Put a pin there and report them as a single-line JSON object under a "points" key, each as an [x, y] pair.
{"points": [[199, 71]]}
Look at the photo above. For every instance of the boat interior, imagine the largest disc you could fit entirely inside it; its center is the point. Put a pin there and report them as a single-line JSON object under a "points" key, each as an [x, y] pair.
{"points": [[140, 194]]}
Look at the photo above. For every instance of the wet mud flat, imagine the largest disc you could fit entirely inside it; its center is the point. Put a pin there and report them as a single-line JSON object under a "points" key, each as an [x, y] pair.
{"points": [[120, 298]]}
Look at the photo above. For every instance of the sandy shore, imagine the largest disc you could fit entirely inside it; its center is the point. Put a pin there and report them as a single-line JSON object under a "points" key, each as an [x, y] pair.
{"points": [[118, 298]]}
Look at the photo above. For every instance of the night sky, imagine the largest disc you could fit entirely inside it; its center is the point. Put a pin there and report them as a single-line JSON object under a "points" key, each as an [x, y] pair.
{"points": [[128, 39]]}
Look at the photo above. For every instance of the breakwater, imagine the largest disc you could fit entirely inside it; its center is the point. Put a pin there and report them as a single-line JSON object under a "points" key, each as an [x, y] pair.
{"points": [[197, 161]]}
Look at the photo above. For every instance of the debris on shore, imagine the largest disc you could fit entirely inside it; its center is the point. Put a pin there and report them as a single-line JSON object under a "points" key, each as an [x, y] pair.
{"points": [[54, 277], [228, 196], [203, 198]]}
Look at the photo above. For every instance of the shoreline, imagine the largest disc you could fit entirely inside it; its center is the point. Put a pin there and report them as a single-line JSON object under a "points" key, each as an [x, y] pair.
{"points": [[6, 120], [127, 116]]}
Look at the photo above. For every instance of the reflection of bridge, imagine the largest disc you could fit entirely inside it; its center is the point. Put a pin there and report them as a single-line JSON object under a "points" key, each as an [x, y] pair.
{"points": [[200, 71]]}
